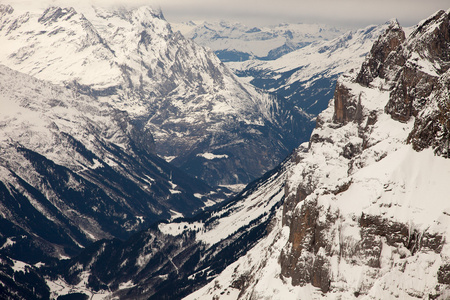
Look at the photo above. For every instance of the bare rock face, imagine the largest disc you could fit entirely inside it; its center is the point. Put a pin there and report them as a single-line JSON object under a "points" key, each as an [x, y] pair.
{"points": [[412, 86], [430, 40], [428, 92], [347, 106], [375, 64], [413, 73], [290, 203], [308, 255], [432, 126], [415, 70], [410, 67], [426, 56], [305, 261]]}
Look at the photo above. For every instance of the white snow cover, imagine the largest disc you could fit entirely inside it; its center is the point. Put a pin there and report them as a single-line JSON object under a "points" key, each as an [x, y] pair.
{"points": [[319, 59], [133, 57], [102, 48], [60, 287], [223, 35], [388, 179], [35, 114], [254, 205], [210, 156]]}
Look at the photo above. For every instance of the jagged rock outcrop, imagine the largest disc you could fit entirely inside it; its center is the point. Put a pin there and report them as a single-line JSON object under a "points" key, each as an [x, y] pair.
{"points": [[432, 127], [422, 59], [365, 215], [414, 72], [422, 86], [379, 61], [347, 106]]}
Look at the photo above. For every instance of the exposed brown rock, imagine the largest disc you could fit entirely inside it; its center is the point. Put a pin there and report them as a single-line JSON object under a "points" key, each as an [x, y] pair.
{"points": [[433, 129], [291, 202], [347, 107], [398, 233], [411, 86], [443, 274], [351, 150], [321, 273], [414, 83], [431, 41], [375, 66], [305, 260], [415, 89]]}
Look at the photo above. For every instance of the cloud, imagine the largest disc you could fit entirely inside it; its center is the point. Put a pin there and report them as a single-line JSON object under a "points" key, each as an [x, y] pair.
{"points": [[350, 13], [345, 12]]}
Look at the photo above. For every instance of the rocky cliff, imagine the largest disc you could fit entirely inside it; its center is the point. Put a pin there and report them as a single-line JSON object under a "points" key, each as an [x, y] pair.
{"points": [[366, 205], [361, 211]]}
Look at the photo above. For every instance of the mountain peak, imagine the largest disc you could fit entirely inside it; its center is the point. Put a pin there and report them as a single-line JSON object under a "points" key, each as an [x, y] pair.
{"points": [[6, 9], [393, 23], [418, 65], [54, 13], [430, 41], [374, 66]]}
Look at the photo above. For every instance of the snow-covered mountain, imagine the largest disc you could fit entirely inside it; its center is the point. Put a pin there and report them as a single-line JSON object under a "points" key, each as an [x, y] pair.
{"points": [[202, 118], [74, 170], [366, 206], [238, 42], [185, 254], [306, 77], [361, 211]]}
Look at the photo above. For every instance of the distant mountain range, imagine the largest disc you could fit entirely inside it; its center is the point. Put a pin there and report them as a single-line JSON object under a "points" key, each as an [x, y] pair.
{"points": [[201, 117], [238, 42], [306, 77], [95, 102]]}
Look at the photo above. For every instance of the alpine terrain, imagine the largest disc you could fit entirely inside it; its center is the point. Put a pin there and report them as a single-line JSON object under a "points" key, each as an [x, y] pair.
{"points": [[75, 170], [238, 42], [360, 211], [306, 78], [365, 213], [201, 117]]}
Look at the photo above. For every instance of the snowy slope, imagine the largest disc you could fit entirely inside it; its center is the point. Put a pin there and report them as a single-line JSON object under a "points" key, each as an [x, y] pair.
{"points": [[356, 212], [236, 41], [74, 170], [306, 77], [185, 253], [365, 215], [180, 91]]}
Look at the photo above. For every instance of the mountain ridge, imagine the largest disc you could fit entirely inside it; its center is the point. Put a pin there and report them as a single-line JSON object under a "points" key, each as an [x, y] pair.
{"points": [[131, 59], [82, 168], [365, 211], [238, 42], [360, 211]]}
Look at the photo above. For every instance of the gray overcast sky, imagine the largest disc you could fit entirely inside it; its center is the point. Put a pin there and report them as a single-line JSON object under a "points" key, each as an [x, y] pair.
{"points": [[348, 13]]}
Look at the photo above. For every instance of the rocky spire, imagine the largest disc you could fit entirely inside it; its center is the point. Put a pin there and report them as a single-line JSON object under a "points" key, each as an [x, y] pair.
{"points": [[375, 64], [425, 56]]}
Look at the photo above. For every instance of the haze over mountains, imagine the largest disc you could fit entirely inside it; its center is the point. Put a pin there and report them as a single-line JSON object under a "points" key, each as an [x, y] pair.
{"points": [[238, 42], [109, 115]]}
